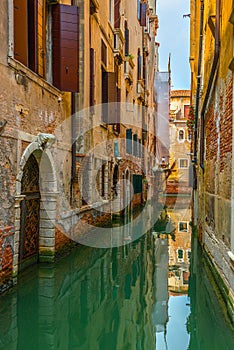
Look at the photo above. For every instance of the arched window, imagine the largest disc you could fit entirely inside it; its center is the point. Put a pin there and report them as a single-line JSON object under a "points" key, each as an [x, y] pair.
{"points": [[181, 135]]}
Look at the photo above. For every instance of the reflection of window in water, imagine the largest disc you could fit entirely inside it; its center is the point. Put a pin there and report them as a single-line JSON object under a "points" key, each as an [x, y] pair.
{"points": [[180, 254], [181, 135], [183, 163], [188, 252], [183, 226]]}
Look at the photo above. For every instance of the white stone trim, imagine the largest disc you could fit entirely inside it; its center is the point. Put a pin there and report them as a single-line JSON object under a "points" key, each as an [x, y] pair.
{"points": [[48, 201]]}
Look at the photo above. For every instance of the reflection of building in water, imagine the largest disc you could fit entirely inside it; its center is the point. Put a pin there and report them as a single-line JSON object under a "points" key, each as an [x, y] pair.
{"points": [[179, 250], [180, 139], [160, 308], [91, 299]]}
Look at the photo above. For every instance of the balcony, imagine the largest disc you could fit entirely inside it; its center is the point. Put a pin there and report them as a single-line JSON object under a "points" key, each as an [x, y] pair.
{"points": [[128, 69], [118, 45]]}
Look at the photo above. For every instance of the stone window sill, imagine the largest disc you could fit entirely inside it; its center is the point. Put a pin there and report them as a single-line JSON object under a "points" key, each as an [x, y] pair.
{"points": [[22, 70]]}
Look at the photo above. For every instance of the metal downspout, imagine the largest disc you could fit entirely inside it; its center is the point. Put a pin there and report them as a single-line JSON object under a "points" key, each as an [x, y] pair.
{"points": [[210, 83], [198, 79]]}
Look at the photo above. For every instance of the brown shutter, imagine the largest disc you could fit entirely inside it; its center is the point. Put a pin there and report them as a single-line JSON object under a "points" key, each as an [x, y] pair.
{"points": [[109, 96], [92, 76], [186, 111], [65, 47], [117, 14], [126, 34], [143, 14], [20, 31], [139, 67]]}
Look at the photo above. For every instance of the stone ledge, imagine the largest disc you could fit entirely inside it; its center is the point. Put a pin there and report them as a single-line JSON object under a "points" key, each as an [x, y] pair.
{"points": [[22, 69]]}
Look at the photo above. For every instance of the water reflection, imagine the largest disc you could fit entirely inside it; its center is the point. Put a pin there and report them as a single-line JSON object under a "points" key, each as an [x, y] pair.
{"points": [[132, 297]]}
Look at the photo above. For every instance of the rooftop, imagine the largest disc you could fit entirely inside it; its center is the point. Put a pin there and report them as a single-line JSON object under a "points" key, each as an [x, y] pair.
{"points": [[180, 93]]}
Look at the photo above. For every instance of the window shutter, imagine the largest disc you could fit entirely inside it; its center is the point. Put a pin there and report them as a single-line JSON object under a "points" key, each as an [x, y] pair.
{"points": [[40, 23], [32, 35], [66, 47], [103, 53], [92, 76], [135, 143], [117, 14], [139, 67], [143, 14], [126, 32], [109, 96], [118, 109], [186, 111], [129, 141], [20, 31]]}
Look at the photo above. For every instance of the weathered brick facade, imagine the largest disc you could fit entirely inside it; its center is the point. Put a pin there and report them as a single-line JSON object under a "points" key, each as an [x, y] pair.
{"points": [[41, 124], [213, 148]]}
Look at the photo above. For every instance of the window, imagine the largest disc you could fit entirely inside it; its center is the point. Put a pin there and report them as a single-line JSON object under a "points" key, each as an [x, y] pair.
{"points": [[92, 77], [32, 34], [137, 183], [143, 9], [183, 226], [109, 96], [138, 10], [188, 253], [180, 255], [181, 135], [27, 35], [135, 145], [139, 65], [141, 12], [183, 163], [129, 141], [126, 35]]}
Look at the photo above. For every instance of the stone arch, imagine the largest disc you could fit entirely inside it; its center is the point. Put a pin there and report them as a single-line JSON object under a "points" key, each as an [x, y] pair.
{"points": [[48, 200]]}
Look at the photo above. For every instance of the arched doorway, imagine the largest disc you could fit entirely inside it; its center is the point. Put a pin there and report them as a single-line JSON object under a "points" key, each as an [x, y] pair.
{"points": [[29, 218]]}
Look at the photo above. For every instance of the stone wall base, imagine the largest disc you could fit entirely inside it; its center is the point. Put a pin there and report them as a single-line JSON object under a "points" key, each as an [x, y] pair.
{"points": [[221, 267]]}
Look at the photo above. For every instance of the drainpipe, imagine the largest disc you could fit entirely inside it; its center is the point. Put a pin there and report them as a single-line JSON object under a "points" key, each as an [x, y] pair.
{"points": [[73, 147], [210, 83], [198, 80]]}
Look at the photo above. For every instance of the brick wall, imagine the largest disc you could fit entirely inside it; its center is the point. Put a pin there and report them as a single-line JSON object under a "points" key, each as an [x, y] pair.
{"points": [[6, 254]]}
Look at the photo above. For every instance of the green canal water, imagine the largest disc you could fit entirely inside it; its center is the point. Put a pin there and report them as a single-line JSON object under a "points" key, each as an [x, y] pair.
{"points": [[126, 298]]}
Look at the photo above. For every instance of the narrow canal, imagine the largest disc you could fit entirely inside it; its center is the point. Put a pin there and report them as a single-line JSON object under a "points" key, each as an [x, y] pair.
{"points": [[143, 295]]}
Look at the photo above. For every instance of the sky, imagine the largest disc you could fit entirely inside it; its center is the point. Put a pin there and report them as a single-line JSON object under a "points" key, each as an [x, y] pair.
{"points": [[173, 36]]}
